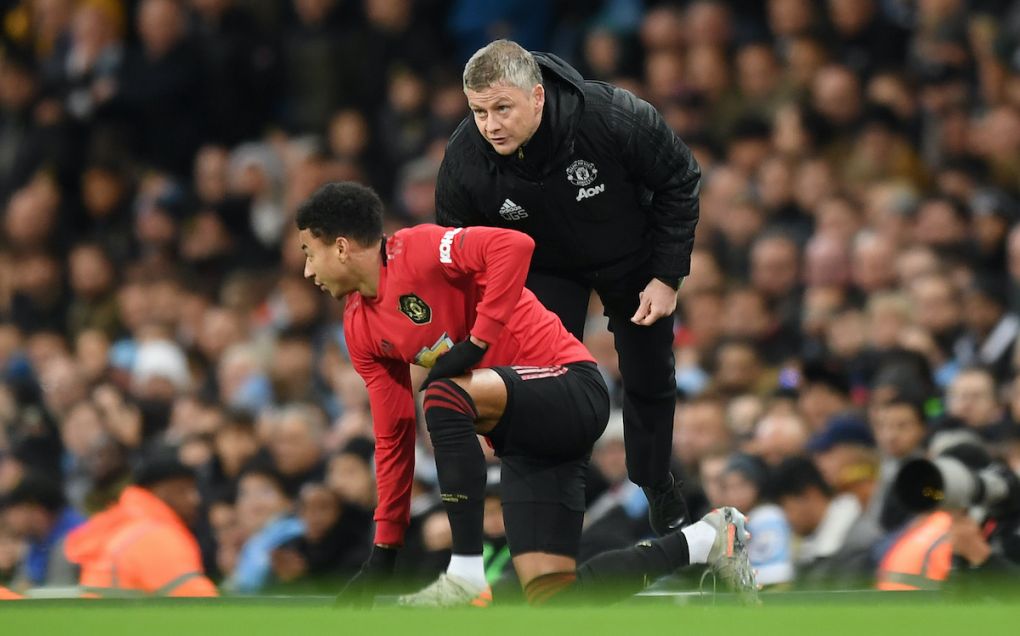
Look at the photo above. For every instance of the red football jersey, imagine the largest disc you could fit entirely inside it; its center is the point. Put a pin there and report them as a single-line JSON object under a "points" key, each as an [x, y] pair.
{"points": [[437, 287]]}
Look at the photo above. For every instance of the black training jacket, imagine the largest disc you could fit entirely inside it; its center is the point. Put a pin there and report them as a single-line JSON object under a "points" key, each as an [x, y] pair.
{"points": [[603, 181]]}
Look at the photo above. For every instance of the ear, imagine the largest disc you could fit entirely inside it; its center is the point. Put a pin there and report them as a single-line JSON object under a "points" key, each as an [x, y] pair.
{"points": [[538, 97], [342, 248]]}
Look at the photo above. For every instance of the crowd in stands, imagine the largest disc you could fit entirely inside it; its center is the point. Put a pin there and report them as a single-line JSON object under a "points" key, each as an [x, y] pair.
{"points": [[853, 300]]}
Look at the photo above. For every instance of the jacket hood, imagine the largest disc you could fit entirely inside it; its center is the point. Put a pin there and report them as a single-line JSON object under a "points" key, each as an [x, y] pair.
{"points": [[554, 139]]}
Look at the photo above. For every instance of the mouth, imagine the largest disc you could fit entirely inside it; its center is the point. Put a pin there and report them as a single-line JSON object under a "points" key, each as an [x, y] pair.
{"points": [[497, 140]]}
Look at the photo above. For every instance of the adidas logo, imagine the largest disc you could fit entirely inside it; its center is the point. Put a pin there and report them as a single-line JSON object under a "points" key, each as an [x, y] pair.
{"points": [[512, 212]]}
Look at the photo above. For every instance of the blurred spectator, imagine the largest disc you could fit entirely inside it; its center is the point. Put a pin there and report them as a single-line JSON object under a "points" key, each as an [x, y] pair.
{"points": [[844, 453], [779, 436], [23, 145], [93, 284], [992, 331], [971, 399], [745, 485], [295, 445], [265, 514], [159, 91], [865, 38], [240, 69], [824, 391], [335, 543], [36, 512], [143, 543], [350, 475], [834, 541]]}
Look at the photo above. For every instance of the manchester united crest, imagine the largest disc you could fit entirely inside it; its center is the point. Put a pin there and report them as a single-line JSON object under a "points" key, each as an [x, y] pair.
{"points": [[581, 173], [415, 308]]}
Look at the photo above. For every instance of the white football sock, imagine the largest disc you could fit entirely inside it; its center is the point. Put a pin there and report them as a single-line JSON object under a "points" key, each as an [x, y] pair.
{"points": [[700, 537], [468, 568]]}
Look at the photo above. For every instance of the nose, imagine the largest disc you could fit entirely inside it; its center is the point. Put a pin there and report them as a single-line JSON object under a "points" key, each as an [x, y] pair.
{"points": [[492, 126], [308, 269]]}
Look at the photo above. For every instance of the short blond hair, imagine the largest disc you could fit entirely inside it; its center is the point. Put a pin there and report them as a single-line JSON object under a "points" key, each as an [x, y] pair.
{"points": [[501, 63]]}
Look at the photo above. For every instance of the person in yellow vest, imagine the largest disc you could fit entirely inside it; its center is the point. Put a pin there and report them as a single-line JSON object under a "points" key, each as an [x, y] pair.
{"points": [[142, 545]]}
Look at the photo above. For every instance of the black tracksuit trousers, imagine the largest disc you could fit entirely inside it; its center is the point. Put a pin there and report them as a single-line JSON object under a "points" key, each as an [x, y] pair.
{"points": [[646, 357]]}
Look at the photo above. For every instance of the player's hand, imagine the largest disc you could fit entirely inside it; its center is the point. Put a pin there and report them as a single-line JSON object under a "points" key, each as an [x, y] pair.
{"points": [[461, 357], [657, 300], [374, 574]]}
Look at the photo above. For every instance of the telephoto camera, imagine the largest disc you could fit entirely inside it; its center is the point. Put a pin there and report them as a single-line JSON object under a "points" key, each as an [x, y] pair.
{"points": [[961, 476]]}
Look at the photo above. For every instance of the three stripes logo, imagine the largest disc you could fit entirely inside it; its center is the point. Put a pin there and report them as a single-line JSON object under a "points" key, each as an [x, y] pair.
{"points": [[536, 373], [511, 211]]}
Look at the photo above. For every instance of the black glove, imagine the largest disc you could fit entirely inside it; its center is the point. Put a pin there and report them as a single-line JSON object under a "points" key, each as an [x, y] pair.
{"points": [[374, 574], [461, 357]]}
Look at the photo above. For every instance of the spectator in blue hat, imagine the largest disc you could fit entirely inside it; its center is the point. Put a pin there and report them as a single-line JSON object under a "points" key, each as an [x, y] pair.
{"points": [[844, 452]]}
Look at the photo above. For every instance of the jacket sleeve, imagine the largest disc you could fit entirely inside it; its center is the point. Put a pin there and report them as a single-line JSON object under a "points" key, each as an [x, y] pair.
{"points": [[662, 163], [498, 260], [453, 206], [393, 422]]}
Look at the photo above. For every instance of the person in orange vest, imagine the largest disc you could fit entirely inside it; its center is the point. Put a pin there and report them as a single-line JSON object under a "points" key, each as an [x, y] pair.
{"points": [[7, 595], [142, 544], [921, 558]]}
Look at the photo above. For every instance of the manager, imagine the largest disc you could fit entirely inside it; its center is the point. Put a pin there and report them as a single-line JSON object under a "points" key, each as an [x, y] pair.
{"points": [[610, 195]]}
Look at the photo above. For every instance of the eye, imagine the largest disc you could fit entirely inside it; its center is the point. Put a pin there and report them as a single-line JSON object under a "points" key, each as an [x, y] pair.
{"points": [[504, 108]]}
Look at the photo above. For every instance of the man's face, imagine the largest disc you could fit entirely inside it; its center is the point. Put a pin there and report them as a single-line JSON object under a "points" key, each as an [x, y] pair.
{"points": [[181, 495], [898, 430], [23, 520], [800, 512], [507, 116], [327, 264], [293, 446], [739, 491], [971, 398], [319, 509]]}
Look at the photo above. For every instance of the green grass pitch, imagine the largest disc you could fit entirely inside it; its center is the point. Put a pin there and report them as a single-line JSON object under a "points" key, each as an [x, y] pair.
{"points": [[278, 619]]}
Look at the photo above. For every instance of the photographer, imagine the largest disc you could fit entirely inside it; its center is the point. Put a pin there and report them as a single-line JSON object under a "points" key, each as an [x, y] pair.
{"points": [[966, 531]]}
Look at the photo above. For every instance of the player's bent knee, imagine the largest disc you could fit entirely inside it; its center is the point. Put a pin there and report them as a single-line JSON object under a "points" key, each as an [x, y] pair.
{"points": [[445, 395]]}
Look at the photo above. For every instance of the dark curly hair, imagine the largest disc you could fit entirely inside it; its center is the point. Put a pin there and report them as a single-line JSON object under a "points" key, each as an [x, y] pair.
{"points": [[343, 209]]}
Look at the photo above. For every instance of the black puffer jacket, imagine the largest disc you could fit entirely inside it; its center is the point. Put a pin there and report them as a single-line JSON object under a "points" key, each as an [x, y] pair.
{"points": [[603, 181]]}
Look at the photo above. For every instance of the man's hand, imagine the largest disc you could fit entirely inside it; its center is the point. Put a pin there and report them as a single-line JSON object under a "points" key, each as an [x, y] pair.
{"points": [[968, 541], [376, 572], [657, 300], [461, 357]]}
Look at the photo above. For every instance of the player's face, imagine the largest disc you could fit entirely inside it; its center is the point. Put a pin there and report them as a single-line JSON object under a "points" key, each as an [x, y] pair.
{"points": [[507, 116], [325, 264]]}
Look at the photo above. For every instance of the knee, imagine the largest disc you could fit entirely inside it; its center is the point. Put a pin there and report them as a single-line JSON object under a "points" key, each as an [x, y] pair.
{"points": [[448, 407], [647, 379]]}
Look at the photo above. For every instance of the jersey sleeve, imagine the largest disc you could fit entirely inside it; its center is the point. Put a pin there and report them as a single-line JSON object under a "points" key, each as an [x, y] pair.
{"points": [[393, 422], [498, 260]]}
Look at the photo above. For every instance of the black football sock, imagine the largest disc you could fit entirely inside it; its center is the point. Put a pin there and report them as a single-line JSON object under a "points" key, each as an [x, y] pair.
{"points": [[450, 414], [613, 575]]}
